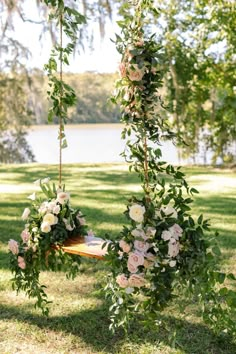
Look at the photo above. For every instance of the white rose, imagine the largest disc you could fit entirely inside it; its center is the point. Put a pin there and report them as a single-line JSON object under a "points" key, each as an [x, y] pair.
{"points": [[124, 246], [141, 246], [136, 212], [25, 214], [37, 182], [176, 231], [45, 227], [13, 246], [62, 197], [51, 219], [135, 259], [137, 280], [122, 280], [166, 235]]}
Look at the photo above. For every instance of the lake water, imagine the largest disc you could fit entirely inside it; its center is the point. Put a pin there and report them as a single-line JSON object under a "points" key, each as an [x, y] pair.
{"points": [[92, 143]]}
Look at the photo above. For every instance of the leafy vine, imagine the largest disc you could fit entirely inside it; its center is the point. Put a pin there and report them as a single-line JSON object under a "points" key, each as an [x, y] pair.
{"points": [[165, 252]]}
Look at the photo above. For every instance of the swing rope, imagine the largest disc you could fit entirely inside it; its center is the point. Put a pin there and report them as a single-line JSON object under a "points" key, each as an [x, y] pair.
{"points": [[60, 110]]}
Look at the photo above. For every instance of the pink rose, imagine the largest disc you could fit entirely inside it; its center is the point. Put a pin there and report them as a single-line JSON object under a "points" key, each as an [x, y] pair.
{"points": [[135, 74], [13, 246], [21, 262], [135, 259], [166, 235], [173, 248], [63, 197], [122, 69], [124, 246], [25, 235], [141, 246], [122, 281], [176, 231], [137, 280]]}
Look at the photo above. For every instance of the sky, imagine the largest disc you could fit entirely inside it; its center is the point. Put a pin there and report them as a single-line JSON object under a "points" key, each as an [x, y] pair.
{"points": [[104, 57]]}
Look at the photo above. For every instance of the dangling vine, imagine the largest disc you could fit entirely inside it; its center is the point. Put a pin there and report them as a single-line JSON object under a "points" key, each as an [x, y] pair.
{"points": [[50, 220], [164, 253]]}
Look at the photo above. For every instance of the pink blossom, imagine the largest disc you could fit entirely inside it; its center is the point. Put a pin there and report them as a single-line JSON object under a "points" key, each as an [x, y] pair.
{"points": [[137, 280], [135, 74], [124, 246], [176, 231], [21, 262], [141, 246], [135, 259], [166, 235], [13, 246], [122, 280], [25, 235], [173, 248], [122, 69]]}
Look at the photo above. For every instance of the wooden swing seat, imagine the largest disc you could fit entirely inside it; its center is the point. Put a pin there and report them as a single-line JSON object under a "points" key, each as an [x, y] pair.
{"points": [[89, 246]]}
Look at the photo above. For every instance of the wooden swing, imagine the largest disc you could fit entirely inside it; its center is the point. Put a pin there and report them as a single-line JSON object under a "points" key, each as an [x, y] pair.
{"points": [[88, 246]]}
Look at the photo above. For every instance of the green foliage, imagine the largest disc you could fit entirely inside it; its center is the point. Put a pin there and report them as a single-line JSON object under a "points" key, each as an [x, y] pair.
{"points": [[49, 222], [61, 94], [164, 252]]}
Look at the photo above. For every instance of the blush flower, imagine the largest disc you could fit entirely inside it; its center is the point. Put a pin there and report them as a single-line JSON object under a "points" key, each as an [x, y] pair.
{"points": [[21, 262], [176, 231], [137, 281], [136, 212], [166, 235], [62, 197], [122, 70], [141, 246], [13, 246], [134, 73], [25, 235], [135, 259], [122, 281], [173, 248], [25, 214], [124, 246]]}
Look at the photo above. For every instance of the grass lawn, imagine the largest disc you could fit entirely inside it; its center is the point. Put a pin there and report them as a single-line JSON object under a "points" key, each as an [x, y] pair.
{"points": [[79, 320]]}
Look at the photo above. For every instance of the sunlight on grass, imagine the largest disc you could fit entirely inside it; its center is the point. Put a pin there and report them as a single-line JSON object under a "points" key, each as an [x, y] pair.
{"points": [[79, 319]]}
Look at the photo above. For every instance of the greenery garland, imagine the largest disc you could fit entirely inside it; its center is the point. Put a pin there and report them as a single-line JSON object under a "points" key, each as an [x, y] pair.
{"points": [[165, 252], [50, 220]]}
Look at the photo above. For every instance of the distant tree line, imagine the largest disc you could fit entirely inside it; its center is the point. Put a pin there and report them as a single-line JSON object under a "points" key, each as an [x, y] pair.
{"points": [[198, 40], [93, 93]]}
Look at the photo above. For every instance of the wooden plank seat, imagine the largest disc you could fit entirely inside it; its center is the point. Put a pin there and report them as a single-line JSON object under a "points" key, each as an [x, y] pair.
{"points": [[88, 246]]}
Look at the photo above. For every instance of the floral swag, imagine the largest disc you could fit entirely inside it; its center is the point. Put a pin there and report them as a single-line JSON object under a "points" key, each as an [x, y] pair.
{"points": [[164, 253]]}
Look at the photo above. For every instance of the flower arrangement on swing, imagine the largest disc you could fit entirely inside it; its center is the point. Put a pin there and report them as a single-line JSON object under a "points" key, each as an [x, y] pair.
{"points": [[163, 253]]}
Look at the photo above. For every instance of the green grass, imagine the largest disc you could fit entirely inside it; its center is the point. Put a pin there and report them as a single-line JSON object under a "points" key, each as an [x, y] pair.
{"points": [[79, 319]]}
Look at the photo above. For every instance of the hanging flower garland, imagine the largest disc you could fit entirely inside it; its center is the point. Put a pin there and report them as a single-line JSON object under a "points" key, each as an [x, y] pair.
{"points": [[50, 220], [164, 252]]}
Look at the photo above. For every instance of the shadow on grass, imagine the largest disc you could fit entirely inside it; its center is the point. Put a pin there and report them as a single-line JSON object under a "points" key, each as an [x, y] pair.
{"points": [[91, 326]]}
